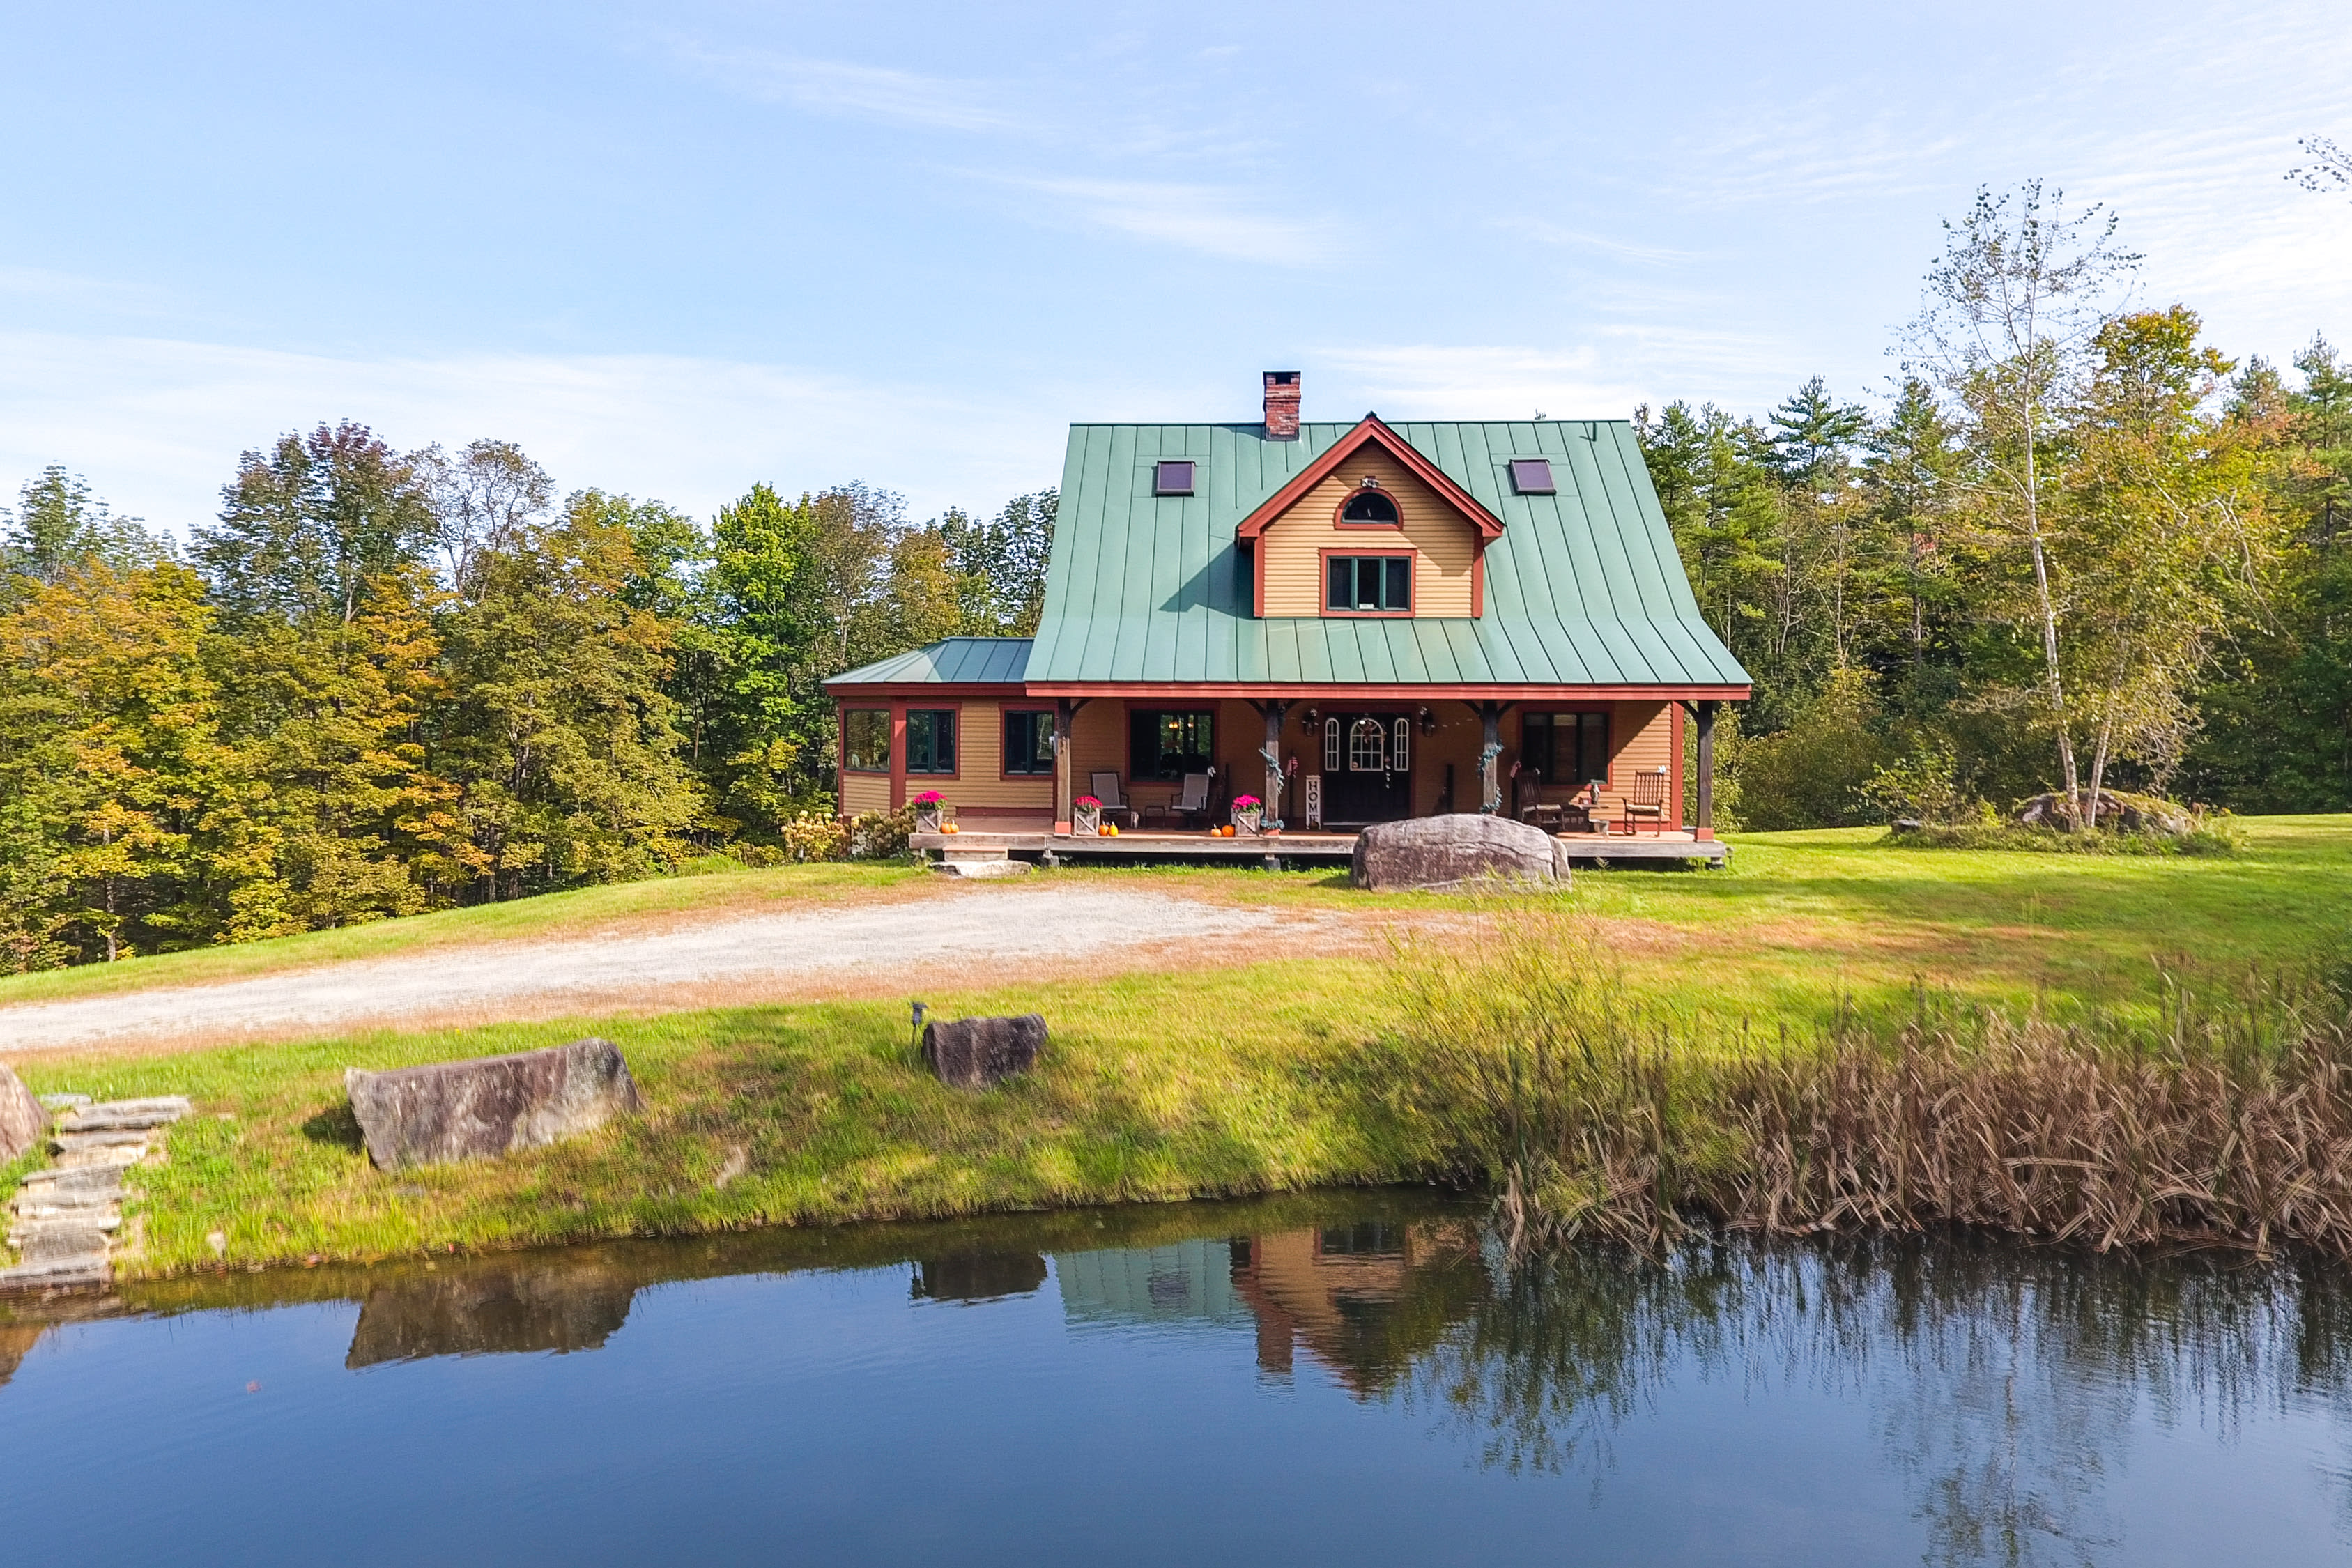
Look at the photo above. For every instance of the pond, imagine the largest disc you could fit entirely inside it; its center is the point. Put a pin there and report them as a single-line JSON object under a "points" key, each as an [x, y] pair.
{"points": [[1329, 1378]]}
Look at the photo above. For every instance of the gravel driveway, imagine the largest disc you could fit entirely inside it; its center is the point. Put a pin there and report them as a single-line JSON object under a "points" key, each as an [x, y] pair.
{"points": [[964, 937]]}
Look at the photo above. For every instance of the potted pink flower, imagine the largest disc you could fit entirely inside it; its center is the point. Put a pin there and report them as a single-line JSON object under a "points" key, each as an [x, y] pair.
{"points": [[1249, 812], [1085, 816], [929, 807]]}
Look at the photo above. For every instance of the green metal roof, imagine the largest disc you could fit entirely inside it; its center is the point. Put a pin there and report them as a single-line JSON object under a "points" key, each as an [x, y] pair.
{"points": [[956, 660], [1584, 587]]}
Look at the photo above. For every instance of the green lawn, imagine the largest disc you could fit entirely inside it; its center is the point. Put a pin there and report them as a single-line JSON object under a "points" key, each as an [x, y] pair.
{"points": [[1158, 1086]]}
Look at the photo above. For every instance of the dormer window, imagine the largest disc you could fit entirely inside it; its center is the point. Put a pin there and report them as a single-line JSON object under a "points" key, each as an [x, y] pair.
{"points": [[1173, 477], [1370, 506], [1532, 477]]}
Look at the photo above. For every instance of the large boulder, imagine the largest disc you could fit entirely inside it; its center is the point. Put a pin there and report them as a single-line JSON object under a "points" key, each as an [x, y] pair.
{"points": [[2116, 813], [1442, 853], [22, 1118], [492, 1105], [973, 1052]]}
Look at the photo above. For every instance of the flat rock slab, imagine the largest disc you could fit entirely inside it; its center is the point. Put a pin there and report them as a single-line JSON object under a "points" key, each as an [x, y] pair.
{"points": [[982, 870], [1449, 854], [974, 1053], [477, 1110], [94, 1181], [124, 1115], [22, 1118], [58, 1274]]}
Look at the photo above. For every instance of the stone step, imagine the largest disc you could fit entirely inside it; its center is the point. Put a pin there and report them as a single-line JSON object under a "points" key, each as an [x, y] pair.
{"points": [[119, 1115], [112, 1137], [47, 1203], [55, 1243], [104, 1181], [107, 1156], [979, 869], [56, 1274], [65, 1101]]}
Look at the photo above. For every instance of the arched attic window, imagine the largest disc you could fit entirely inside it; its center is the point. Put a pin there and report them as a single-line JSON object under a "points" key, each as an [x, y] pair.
{"points": [[1369, 506]]}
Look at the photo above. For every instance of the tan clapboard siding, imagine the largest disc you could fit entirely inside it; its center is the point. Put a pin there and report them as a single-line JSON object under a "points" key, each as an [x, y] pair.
{"points": [[862, 793], [1290, 554], [1643, 737], [981, 759]]}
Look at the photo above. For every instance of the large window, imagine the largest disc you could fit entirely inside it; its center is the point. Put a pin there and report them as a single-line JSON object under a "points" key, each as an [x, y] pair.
{"points": [[931, 740], [1369, 583], [1028, 742], [1570, 749], [1164, 745], [867, 735]]}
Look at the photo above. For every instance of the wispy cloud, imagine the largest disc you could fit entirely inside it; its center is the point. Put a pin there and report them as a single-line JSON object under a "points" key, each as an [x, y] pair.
{"points": [[1564, 238], [1217, 220], [863, 92], [1481, 381], [157, 424]]}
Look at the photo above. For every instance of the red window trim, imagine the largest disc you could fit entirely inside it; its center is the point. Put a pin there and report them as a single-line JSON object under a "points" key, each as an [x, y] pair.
{"points": [[1004, 775], [1323, 584]]}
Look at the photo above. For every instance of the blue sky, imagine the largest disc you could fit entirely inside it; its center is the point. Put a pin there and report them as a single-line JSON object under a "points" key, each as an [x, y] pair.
{"points": [[674, 249]]}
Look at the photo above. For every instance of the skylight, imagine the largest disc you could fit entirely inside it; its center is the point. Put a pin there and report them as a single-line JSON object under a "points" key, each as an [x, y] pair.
{"points": [[1532, 477], [1172, 478]]}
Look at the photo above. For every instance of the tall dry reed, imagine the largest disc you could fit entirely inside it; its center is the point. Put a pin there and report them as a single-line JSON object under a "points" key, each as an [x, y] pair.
{"points": [[2224, 1123]]}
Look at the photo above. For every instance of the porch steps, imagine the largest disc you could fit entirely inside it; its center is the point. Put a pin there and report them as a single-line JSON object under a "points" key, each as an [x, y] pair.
{"points": [[979, 862]]}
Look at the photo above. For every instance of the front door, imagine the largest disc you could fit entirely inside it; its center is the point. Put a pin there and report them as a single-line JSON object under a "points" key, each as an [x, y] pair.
{"points": [[1367, 767]]}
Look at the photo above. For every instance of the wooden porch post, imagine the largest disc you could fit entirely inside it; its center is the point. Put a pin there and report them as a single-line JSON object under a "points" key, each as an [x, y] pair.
{"points": [[897, 755], [1274, 711], [1490, 787], [1064, 712], [1705, 827]]}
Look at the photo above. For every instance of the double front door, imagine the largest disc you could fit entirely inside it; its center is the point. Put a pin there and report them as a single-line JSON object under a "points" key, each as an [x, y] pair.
{"points": [[1367, 767]]}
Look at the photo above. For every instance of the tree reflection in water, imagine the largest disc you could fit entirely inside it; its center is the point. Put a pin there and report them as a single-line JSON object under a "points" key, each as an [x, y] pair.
{"points": [[2005, 1383]]}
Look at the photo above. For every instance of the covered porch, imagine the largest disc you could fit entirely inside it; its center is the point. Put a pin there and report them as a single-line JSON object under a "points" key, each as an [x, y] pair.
{"points": [[1037, 839]]}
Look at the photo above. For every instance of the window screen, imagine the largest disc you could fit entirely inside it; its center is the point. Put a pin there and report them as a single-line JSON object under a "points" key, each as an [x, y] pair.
{"points": [[1532, 477], [1172, 478], [931, 740], [865, 732], [1369, 583], [1028, 742]]}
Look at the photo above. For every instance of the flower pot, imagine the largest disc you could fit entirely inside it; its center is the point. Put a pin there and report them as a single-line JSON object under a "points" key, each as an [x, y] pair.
{"points": [[927, 819], [1086, 820]]}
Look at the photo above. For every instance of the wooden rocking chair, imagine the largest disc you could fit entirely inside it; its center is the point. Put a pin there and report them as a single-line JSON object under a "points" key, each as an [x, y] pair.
{"points": [[1647, 797]]}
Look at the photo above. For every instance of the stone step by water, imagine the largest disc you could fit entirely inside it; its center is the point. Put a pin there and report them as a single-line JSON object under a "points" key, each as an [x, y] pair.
{"points": [[65, 1216]]}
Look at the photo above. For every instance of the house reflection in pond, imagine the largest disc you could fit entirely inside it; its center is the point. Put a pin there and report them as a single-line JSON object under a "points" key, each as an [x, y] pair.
{"points": [[1188, 1282], [1363, 1299]]}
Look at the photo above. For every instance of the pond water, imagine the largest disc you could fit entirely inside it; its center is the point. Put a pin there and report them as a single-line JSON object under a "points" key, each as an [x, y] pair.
{"points": [[1339, 1378]]}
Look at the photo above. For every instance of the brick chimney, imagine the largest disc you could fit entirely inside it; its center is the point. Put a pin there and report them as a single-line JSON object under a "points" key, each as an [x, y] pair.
{"points": [[1282, 405]]}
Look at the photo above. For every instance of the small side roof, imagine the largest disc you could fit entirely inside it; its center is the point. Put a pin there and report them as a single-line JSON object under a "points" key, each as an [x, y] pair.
{"points": [[953, 661]]}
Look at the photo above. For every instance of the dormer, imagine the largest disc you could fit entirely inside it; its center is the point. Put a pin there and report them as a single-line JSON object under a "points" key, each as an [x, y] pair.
{"points": [[1370, 528]]}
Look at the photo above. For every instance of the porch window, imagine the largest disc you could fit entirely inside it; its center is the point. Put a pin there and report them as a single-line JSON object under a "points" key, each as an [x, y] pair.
{"points": [[1028, 741], [1570, 749], [866, 732], [1369, 583], [931, 740], [1168, 746]]}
